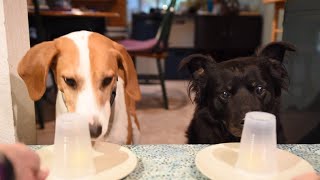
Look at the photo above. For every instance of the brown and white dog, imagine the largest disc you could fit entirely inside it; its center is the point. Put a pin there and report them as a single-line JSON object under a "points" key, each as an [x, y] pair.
{"points": [[89, 69]]}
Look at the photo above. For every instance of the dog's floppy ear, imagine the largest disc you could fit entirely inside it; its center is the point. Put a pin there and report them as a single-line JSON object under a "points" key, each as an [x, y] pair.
{"points": [[34, 67], [132, 85], [197, 64], [276, 50], [275, 53]]}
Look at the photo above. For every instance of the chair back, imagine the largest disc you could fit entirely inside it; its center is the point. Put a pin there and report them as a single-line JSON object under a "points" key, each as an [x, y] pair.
{"points": [[163, 32]]}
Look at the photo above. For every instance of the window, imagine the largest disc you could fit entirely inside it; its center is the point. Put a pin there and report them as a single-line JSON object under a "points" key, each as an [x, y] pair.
{"points": [[145, 5], [134, 6]]}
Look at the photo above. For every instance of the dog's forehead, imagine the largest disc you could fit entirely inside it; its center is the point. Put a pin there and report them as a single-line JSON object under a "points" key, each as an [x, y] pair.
{"points": [[239, 63], [68, 56], [86, 45], [239, 68], [102, 54]]}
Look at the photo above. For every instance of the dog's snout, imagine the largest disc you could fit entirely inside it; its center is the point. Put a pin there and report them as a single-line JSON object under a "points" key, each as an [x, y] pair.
{"points": [[244, 110], [242, 122], [95, 130]]}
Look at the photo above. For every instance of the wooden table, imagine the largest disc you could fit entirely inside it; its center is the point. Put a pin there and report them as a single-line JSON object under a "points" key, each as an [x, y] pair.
{"points": [[57, 23], [76, 13]]}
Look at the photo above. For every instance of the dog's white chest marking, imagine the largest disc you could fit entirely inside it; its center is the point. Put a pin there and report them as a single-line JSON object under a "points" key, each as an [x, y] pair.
{"points": [[119, 129]]}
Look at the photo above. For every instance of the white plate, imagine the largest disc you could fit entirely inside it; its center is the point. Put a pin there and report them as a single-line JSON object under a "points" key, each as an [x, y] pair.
{"points": [[217, 162], [116, 170]]}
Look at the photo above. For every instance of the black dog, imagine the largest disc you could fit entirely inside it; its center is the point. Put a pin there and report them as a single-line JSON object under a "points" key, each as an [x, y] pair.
{"points": [[226, 91]]}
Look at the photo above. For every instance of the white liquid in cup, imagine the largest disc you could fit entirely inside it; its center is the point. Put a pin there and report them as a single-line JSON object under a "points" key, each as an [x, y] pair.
{"points": [[258, 147], [73, 154]]}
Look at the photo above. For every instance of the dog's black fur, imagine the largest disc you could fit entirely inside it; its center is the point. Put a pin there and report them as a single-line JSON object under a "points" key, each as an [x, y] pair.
{"points": [[226, 91]]}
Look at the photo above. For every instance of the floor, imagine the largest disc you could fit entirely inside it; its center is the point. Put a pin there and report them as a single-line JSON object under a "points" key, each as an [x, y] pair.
{"points": [[160, 126]]}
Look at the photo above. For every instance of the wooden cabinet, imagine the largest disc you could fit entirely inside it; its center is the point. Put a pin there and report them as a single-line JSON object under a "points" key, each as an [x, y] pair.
{"points": [[118, 6], [227, 32], [145, 26], [227, 37], [223, 37], [182, 32], [101, 5], [211, 32]]}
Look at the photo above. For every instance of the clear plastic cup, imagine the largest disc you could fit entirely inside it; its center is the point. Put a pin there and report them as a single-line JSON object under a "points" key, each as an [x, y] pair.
{"points": [[73, 154], [258, 146]]}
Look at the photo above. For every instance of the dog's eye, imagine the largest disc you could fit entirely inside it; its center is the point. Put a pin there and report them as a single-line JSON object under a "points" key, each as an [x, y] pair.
{"points": [[106, 81], [70, 82], [225, 95], [260, 90]]}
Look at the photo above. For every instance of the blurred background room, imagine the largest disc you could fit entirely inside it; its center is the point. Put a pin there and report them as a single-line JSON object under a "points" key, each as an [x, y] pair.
{"points": [[224, 29]]}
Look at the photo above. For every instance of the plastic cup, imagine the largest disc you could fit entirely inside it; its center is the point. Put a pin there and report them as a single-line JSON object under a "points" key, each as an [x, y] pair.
{"points": [[73, 154], [258, 146]]}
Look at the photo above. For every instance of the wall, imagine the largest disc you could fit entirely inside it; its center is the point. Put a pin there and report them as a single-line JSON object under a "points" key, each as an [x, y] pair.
{"points": [[267, 11], [7, 134], [14, 44]]}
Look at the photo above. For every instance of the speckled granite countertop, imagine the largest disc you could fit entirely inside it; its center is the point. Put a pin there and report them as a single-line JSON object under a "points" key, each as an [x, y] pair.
{"points": [[177, 161]]}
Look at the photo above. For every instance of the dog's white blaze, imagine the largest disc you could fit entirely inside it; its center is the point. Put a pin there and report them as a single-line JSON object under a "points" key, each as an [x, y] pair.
{"points": [[61, 107], [119, 130], [86, 100]]}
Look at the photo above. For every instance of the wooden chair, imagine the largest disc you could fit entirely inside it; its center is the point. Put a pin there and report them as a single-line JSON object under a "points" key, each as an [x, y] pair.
{"points": [[41, 36], [40, 31], [156, 48], [278, 6]]}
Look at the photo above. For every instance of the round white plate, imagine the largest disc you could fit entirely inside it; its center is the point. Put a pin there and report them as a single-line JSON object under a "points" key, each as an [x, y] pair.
{"points": [[118, 171], [218, 161]]}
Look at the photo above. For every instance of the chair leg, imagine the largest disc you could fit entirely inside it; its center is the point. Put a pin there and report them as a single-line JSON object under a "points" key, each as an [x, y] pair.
{"points": [[38, 114], [163, 86], [134, 61]]}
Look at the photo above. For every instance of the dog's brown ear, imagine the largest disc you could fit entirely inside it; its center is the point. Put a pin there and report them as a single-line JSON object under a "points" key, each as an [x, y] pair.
{"points": [[132, 85], [197, 64], [276, 50], [34, 68]]}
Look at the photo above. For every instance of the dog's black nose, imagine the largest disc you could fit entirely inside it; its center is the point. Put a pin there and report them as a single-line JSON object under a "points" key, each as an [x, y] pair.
{"points": [[95, 130]]}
